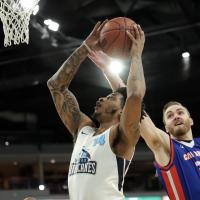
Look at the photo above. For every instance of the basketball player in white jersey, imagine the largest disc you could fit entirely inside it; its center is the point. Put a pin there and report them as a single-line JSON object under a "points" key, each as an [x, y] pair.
{"points": [[101, 155]]}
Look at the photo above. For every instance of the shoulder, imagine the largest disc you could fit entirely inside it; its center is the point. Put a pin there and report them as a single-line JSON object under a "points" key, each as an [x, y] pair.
{"points": [[84, 131]]}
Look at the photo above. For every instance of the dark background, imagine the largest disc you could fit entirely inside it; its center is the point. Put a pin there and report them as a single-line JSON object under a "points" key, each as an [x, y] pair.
{"points": [[27, 112]]}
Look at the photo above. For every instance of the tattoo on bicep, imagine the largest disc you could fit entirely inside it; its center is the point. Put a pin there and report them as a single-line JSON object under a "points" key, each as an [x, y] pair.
{"points": [[70, 106]]}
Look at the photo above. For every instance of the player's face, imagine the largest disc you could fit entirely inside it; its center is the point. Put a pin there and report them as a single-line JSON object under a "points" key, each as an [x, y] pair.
{"points": [[177, 120], [108, 105]]}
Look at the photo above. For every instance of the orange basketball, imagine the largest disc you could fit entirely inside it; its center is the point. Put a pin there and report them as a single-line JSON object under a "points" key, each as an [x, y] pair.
{"points": [[114, 40]]}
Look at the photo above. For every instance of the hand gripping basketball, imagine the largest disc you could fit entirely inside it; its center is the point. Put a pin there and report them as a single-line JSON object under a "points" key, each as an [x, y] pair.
{"points": [[137, 39], [114, 40], [92, 41]]}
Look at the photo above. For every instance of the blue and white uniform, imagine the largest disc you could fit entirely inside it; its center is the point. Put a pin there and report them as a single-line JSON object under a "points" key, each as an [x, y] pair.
{"points": [[95, 172]]}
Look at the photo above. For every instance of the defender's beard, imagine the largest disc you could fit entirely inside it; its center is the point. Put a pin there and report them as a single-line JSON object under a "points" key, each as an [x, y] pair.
{"points": [[180, 130]]}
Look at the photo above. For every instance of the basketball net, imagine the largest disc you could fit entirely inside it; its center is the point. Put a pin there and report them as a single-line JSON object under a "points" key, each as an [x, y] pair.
{"points": [[15, 16]]}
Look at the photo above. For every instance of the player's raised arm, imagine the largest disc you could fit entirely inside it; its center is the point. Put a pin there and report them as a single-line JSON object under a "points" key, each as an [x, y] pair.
{"points": [[136, 88], [65, 102], [156, 139]]}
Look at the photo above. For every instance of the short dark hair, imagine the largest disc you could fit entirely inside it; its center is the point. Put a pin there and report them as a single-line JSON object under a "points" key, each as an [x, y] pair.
{"points": [[123, 92], [171, 103]]}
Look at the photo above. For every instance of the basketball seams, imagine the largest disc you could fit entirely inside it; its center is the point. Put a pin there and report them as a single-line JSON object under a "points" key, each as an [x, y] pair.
{"points": [[103, 32], [125, 36], [107, 27], [114, 40], [118, 28]]}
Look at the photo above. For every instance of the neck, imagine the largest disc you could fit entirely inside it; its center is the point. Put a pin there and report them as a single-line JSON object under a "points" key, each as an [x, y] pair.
{"points": [[104, 126]]}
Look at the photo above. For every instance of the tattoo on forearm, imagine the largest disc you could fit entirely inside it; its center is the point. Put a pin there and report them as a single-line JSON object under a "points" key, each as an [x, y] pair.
{"points": [[70, 67]]}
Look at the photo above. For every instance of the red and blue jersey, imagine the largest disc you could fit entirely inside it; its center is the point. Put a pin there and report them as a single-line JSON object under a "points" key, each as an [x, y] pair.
{"points": [[181, 177]]}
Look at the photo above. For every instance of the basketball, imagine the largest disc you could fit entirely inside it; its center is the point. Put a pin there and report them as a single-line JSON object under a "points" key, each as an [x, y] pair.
{"points": [[114, 40]]}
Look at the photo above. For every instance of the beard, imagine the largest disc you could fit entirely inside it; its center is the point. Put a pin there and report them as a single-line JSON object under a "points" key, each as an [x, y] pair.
{"points": [[99, 117], [179, 130]]}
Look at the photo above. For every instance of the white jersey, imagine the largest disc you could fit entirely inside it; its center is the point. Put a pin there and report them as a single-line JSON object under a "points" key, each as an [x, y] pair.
{"points": [[95, 172]]}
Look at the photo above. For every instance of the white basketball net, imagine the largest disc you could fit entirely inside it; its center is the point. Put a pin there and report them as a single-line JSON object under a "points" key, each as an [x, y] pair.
{"points": [[15, 16]]}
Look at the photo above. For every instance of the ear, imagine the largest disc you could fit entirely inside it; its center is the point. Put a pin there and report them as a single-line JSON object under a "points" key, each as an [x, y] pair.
{"points": [[191, 121]]}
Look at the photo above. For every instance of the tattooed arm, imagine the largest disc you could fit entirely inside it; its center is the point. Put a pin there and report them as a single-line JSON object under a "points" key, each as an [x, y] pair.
{"points": [[65, 102], [68, 107], [129, 123]]}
